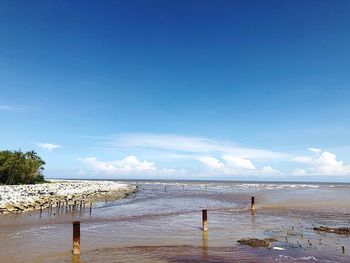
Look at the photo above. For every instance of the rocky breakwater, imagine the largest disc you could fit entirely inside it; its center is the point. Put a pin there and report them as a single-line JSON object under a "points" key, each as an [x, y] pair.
{"points": [[19, 198]]}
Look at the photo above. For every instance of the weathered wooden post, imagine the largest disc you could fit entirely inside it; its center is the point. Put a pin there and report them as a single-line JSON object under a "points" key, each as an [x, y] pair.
{"points": [[205, 220], [205, 246], [76, 238], [252, 205]]}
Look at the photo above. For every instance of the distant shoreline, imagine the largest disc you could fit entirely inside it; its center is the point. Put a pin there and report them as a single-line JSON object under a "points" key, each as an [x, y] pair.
{"points": [[204, 181]]}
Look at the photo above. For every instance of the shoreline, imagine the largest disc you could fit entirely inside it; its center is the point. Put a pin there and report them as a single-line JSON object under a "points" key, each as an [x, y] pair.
{"points": [[22, 198], [196, 181]]}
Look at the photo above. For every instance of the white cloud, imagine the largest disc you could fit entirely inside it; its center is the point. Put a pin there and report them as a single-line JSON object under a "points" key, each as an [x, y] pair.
{"points": [[232, 165], [48, 146], [219, 157], [322, 163], [186, 145], [315, 150], [212, 163], [129, 165], [243, 163], [125, 166]]}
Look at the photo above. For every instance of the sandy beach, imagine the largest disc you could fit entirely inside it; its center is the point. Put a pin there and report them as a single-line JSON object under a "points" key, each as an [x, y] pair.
{"points": [[21, 198]]}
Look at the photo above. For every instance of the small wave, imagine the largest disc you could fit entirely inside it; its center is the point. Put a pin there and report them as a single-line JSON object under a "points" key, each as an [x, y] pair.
{"points": [[34, 231], [310, 185], [91, 227], [307, 258]]}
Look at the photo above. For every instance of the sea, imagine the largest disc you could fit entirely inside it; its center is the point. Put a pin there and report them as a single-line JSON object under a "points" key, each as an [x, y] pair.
{"points": [[162, 222]]}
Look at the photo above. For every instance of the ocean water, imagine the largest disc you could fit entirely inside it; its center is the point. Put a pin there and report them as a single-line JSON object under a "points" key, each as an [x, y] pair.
{"points": [[162, 223]]}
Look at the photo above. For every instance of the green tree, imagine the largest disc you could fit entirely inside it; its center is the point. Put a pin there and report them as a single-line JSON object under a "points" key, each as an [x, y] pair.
{"points": [[18, 167]]}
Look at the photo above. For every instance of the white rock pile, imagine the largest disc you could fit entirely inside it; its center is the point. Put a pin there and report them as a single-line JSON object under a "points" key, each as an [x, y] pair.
{"points": [[19, 198]]}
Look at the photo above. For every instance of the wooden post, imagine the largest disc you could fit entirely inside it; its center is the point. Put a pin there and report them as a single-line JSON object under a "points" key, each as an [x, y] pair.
{"points": [[76, 238], [252, 205], [90, 207], [205, 246], [205, 220]]}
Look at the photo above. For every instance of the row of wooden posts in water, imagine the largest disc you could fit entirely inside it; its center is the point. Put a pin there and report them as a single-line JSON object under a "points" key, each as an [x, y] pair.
{"points": [[76, 227], [65, 206], [183, 188]]}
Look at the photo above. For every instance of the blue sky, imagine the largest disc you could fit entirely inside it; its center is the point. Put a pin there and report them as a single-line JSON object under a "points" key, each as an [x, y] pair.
{"points": [[234, 90]]}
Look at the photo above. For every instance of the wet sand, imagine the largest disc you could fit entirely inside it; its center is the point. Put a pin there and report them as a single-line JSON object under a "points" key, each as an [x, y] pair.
{"points": [[164, 225]]}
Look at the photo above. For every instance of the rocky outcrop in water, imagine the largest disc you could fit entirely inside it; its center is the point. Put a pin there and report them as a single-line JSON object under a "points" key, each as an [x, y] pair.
{"points": [[340, 230], [254, 242]]}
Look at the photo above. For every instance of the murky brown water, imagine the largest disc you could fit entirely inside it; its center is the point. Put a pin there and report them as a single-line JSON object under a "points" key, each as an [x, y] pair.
{"points": [[159, 226]]}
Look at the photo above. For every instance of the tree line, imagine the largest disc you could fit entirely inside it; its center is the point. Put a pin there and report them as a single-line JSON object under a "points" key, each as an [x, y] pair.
{"points": [[17, 167]]}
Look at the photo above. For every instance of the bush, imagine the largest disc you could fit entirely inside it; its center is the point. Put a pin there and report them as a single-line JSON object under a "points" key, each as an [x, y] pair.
{"points": [[18, 167]]}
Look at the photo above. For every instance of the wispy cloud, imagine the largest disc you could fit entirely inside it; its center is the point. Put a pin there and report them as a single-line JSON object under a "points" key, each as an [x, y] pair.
{"points": [[5, 107], [178, 144], [48, 146]]}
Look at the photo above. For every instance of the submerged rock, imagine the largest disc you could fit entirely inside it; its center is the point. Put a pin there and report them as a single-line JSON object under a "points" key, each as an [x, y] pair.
{"points": [[254, 242], [340, 230]]}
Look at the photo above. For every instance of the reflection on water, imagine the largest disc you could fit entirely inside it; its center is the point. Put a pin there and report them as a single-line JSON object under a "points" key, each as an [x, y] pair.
{"points": [[75, 258], [161, 224]]}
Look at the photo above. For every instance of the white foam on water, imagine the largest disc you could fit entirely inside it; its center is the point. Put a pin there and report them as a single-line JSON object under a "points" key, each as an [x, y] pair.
{"points": [[95, 226], [307, 258], [35, 231]]}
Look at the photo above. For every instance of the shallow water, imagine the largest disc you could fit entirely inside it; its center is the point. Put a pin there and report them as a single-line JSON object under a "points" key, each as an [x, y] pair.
{"points": [[162, 223]]}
